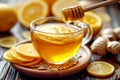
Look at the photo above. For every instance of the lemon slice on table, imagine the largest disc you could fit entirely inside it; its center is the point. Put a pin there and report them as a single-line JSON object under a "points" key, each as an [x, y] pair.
{"points": [[27, 50], [31, 10], [26, 35], [60, 4], [100, 69], [94, 20], [8, 41]]}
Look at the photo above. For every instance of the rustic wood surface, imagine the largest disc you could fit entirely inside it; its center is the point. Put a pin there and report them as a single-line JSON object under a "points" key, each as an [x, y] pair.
{"points": [[7, 72]]}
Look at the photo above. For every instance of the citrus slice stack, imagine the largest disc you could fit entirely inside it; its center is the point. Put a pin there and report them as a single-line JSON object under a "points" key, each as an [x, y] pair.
{"points": [[60, 4], [23, 54], [100, 69], [31, 63], [94, 21], [27, 50], [20, 57], [8, 57], [31, 10]]}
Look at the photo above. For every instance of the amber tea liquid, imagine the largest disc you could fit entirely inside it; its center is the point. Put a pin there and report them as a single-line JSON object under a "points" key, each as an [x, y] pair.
{"points": [[56, 42]]}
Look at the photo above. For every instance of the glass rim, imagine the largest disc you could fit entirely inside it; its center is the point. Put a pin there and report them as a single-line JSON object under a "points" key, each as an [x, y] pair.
{"points": [[33, 28]]}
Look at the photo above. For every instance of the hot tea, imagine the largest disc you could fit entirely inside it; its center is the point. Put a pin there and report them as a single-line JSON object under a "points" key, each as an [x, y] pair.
{"points": [[57, 42]]}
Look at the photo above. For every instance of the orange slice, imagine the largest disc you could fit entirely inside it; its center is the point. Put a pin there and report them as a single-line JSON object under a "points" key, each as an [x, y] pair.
{"points": [[94, 21], [31, 10], [8, 41], [100, 69], [32, 63], [27, 50], [20, 57], [60, 4], [8, 57]]}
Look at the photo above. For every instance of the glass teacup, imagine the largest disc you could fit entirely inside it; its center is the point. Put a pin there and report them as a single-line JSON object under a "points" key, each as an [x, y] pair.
{"points": [[57, 41]]}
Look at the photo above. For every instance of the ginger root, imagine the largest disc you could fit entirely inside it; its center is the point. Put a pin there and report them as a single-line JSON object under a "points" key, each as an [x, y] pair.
{"points": [[117, 33], [99, 46], [113, 47], [109, 33]]}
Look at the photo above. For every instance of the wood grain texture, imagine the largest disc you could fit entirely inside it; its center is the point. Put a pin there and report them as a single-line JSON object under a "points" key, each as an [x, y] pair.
{"points": [[7, 72]]}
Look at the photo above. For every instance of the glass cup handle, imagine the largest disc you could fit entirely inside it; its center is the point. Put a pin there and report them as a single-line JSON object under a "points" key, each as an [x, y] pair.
{"points": [[88, 33]]}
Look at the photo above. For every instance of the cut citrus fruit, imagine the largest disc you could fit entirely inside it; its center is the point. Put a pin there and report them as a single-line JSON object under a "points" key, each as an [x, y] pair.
{"points": [[27, 50], [100, 69], [8, 42], [8, 17], [60, 4], [17, 6], [104, 16], [26, 35], [20, 57], [32, 63], [8, 57], [31, 10], [94, 21]]}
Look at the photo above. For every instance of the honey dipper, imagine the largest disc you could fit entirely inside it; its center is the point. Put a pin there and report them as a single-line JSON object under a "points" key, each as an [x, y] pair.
{"points": [[77, 12]]}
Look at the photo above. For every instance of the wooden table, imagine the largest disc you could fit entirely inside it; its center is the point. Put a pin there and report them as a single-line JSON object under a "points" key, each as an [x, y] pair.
{"points": [[7, 72]]}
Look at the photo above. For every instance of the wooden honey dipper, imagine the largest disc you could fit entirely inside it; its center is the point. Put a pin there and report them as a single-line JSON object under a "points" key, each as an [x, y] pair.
{"points": [[77, 12]]}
